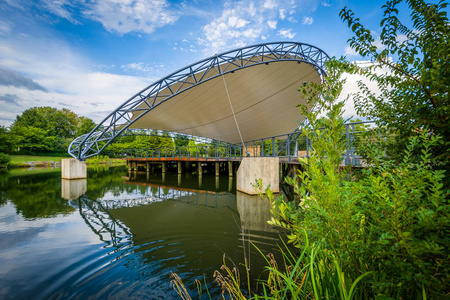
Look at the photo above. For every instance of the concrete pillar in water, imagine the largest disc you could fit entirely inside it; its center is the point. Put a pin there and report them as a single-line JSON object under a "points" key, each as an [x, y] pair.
{"points": [[199, 166], [129, 165], [179, 168], [163, 167], [200, 180], [147, 166], [73, 169], [217, 168], [230, 168], [230, 184], [163, 179], [179, 179], [73, 189], [252, 168], [217, 182], [135, 166]]}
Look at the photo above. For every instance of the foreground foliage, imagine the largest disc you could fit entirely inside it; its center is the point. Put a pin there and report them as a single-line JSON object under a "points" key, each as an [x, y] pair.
{"points": [[411, 67], [393, 222]]}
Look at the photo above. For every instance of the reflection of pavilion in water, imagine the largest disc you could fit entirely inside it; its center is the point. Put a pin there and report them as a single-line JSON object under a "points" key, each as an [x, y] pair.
{"points": [[157, 228], [253, 211]]}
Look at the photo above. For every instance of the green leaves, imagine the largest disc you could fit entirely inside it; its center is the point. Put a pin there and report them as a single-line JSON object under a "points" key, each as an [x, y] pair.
{"points": [[389, 221], [415, 75]]}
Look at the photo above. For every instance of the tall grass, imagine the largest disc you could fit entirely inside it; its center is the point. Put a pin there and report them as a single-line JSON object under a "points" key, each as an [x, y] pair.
{"points": [[312, 273]]}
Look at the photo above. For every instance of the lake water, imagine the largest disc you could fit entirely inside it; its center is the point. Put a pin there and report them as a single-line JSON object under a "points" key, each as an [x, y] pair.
{"points": [[123, 234]]}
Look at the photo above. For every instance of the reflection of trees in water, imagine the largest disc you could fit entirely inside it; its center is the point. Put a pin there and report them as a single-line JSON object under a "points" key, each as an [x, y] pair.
{"points": [[35, 196], [103, 180]]}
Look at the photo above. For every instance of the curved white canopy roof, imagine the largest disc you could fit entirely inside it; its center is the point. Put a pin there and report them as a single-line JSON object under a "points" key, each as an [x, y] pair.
{"points": [[264, 99], [262, 82]]}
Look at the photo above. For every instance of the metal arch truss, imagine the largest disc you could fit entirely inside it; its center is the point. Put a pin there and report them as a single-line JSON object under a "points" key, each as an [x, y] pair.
{"points": [[117, 122]]}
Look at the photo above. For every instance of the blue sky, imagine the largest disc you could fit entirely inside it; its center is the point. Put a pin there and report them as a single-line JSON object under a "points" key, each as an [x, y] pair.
{"points": [[91, 55]]}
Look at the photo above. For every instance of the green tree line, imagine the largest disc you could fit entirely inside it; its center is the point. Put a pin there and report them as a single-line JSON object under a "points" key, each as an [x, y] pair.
{"points": [[49, 131], [43, 131]]}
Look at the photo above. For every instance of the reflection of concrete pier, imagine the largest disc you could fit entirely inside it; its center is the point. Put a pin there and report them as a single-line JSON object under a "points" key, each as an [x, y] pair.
{"points": [[73, 189], [254, 212]]}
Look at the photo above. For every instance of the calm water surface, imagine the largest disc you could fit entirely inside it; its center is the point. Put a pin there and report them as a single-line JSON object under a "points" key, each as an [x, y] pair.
{"points": [[121, 235]]}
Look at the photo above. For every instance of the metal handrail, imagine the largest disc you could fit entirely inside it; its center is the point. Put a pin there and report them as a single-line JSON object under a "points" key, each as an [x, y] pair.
{"points": [[291, 145]]}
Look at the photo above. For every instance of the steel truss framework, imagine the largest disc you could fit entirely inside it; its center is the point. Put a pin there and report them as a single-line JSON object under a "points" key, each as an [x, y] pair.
{"points": [[118, 122]]}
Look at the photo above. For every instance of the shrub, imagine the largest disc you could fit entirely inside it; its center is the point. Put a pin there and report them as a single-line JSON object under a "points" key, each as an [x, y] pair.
{"points": [[4, 160], [393, 222]]}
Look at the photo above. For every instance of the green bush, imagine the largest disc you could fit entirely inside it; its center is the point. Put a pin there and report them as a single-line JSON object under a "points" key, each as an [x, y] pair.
{"points": [[4, 160], [393, 222]]}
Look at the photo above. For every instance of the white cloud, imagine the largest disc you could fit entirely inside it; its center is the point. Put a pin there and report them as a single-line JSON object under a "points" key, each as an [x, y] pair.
{"points": [[326, 4], [241, 23], [61, 8], [141, 67], [272, 24], [124, 16], [270, 4], [351, 87], [286, 33], [5, 27], [234, 28], [121, 16], [282, 14], [63, 73], [350, 51], [307, 20]]}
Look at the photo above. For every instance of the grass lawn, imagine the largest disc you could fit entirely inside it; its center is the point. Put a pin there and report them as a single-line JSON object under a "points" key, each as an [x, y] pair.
{"points": [[20, 160]]}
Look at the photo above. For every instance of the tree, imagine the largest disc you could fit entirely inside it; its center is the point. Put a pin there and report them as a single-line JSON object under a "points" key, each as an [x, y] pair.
{"points": [[4, 160], [180, 142], [6, 140], [31, 139], [85, 126], [59, 127], [415, 91], [150, 142], [61, 123]]}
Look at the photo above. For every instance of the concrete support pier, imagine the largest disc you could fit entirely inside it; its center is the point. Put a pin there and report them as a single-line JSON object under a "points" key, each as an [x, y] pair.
{"points": [[217, 168], [73, 169], [230, 169], [179, 168], [200, 170], [163, 167], [253, 168]]}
